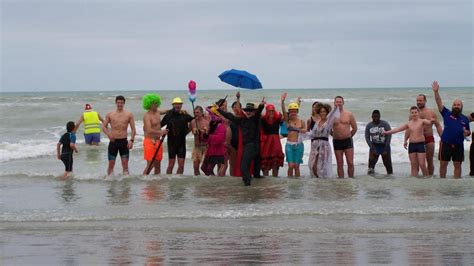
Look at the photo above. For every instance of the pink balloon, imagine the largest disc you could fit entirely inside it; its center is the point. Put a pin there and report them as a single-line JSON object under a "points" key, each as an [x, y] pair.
{"points": [[192, 85]]}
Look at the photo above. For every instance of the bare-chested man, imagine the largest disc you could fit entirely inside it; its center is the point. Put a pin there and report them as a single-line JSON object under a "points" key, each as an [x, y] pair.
{"points": [[199, 128], [119, 121], [416, 148], [152, 131], [429, 114], [343, 130]]}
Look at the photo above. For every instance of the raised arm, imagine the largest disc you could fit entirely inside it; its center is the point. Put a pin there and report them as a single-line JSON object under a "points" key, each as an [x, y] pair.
{"points": [[396, 130], [439, 102], [283, 109]]}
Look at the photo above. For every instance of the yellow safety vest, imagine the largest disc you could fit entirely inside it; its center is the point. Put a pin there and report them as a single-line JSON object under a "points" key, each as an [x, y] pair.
{"points": [[91, 122]]}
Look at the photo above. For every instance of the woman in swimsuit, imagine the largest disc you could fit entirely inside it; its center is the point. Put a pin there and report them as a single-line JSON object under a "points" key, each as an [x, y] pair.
{"points": [[294, 147]]}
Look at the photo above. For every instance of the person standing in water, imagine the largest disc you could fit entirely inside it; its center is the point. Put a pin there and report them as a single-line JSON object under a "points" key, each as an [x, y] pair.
{"points": [[250, 125], [294, 147], [344, 129], [91, 121], [379, 143], [427, 113], [456, 127], [119, 121], [65, 148], [177, 121], [199, 128], [320, 158], [271, 154], [152, 131], [416, 148]]}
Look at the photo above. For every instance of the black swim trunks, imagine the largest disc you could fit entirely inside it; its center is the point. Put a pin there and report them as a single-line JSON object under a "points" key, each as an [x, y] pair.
{"points": [[342, 144], [450, 152], [119, 145], [418, 147], [176, 150]]}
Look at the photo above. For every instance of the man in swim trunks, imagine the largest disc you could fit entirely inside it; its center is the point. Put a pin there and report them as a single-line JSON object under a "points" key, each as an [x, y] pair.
{"points": [[177, 122], [152, 131], [119, 121], [429, 114], [378, 142], [456, 127], [199, 128], [344, 129]]}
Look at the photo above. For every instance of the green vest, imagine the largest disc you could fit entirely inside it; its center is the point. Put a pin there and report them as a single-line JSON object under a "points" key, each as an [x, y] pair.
{"points": [[91, 122]]}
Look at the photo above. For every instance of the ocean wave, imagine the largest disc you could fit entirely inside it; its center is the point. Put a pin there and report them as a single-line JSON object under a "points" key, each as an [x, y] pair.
{"points": [[26, 149], [287, 210]]}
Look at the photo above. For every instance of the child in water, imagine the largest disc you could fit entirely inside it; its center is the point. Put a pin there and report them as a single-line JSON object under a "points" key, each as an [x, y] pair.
{"points": [[416, 148], [68, 143]]}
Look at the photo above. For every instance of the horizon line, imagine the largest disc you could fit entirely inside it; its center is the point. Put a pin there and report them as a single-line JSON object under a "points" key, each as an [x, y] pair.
{"points": [[329, 88]]}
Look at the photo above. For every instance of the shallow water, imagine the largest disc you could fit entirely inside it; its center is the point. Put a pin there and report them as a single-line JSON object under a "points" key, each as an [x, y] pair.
{"points": [[169, 219]]}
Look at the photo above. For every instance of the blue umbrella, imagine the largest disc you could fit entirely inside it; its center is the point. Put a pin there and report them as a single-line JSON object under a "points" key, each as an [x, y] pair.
{"points": [[241, 79]]}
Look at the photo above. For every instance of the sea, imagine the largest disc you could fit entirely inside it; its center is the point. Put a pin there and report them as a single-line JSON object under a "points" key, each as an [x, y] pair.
{"points": [[95, 219]]}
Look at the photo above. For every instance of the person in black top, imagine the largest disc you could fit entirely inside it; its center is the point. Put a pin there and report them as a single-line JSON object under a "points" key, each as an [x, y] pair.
{"points": [[250, 125], [177, 122], [471, 149], [68, 143]]}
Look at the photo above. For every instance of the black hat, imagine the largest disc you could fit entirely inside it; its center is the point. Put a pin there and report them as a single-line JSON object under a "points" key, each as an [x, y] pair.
{"points": [[249, 107]]}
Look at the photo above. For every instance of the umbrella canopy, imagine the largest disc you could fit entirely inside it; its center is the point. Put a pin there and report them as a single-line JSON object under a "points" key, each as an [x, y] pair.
{"points": [[241, 79]]}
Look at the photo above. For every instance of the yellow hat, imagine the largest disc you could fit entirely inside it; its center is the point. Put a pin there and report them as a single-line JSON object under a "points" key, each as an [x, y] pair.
{"points": [[293, 106], [177, 100]]}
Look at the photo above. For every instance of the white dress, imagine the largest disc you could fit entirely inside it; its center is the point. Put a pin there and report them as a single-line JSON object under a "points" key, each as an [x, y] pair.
{"points": [[320, 147]]}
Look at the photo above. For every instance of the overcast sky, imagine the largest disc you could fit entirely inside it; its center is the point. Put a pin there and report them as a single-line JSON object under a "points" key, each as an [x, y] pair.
{"points": [[150, 45]]}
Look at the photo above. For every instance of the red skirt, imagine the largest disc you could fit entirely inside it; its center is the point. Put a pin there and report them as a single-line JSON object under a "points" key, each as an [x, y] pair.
{"points": [[271, 154]]}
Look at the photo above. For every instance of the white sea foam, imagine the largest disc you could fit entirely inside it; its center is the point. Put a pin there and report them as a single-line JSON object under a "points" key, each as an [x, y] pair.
{"points": [[26, 149]]}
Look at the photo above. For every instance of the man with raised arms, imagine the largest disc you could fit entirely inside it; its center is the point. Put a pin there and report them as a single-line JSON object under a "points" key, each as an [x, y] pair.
{"points": [[429, 114], [456, 127], [119, 121], [344, 129]]}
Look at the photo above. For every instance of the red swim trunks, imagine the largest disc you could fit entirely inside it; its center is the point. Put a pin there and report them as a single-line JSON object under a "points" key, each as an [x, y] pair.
{"points": [[149, 148], [429, 139]]}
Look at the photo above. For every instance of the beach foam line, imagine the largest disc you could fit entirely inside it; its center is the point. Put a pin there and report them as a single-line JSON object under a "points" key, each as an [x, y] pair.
{"points": [[26, 149], [249, 212]]}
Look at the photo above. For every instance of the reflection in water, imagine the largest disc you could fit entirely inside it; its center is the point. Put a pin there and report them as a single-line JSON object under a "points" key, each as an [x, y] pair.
{"points": [[379, 252], [152, 192], [337, 189], [119, 192], [67, 193], [379, 193], [223, 192], [120, 250], [154, 255]]}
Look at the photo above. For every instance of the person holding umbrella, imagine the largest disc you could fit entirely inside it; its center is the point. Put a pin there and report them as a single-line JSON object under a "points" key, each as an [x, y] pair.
{"points": [[250, 125], [177, 121], [152, 131]]}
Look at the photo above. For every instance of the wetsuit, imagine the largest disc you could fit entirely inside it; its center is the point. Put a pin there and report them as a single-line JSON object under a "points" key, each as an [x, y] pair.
{"points": [[66, 151], [178, 128]]}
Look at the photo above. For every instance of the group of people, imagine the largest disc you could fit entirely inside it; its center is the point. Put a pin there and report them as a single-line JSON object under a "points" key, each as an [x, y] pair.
{"points": [[247, 141]]}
